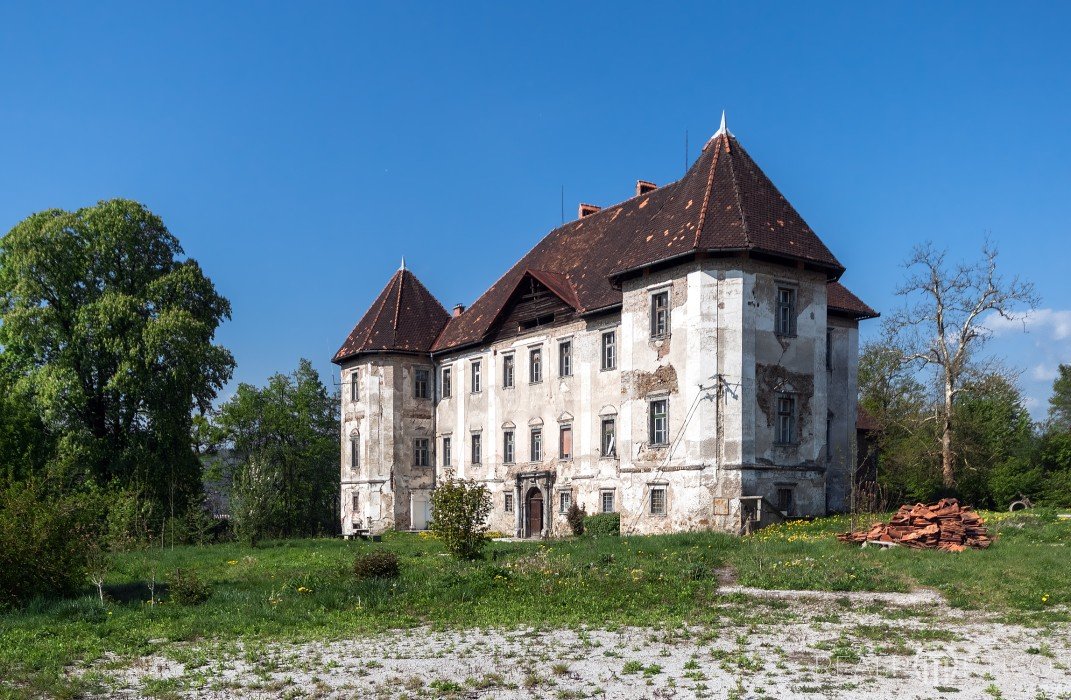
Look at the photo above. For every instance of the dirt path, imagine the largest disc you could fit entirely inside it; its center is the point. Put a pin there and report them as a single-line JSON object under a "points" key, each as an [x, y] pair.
{"points": [[832, 646]]}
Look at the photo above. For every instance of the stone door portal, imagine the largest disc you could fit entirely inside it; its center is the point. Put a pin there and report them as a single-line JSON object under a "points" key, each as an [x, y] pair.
{"points": [[534, 512]]}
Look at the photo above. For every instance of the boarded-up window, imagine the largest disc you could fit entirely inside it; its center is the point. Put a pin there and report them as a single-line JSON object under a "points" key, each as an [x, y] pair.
{"points": [[565, 442]]}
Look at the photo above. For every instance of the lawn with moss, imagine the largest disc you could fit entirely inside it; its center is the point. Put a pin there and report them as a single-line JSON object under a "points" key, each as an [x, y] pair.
{"points": [[304, 590]]}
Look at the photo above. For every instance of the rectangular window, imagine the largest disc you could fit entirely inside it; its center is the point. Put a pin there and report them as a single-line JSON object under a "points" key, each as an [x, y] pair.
{"points": [[355, 452], [508, 503], [537, 445], [658, 500], [659, 314], [659, 423], [565, 359], [786, 311], [565, 499], [477, 448], [607, 501], [565, 442], [829, 349], [446, 452], [356, 502], [829, 437], [421, 453], [609, 437], [609, 350], [509, 447], [355, 387], [447, 385], [786, 420], [507, 371], [535, 366], [477, 378], [784, 499], [420, 384]]}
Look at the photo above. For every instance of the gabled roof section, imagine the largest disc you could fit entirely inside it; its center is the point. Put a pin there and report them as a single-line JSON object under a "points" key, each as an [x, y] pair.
{"points": [[724, 203], [841, 301], [405, 317]]}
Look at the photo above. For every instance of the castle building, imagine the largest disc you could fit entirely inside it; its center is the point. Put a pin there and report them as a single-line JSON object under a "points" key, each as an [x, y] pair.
{"points": [[686, 358]]}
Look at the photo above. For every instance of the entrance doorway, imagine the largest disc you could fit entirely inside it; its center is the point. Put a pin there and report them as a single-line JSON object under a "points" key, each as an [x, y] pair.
{"points": [[533, 507]]}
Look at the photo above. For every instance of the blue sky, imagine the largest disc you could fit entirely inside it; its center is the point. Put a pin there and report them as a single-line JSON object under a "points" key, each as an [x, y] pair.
{"points": [[300, 150]]}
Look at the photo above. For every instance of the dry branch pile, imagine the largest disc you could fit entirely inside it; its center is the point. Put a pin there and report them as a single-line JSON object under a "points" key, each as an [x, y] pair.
{"points": [[944, 525]]}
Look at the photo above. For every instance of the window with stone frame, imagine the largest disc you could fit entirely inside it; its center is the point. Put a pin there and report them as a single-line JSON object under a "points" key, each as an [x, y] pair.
{"points": [[658, 500], [535, 366], [565, 358], [660, 314], [508, 370], [477, 377], [606, 501], [609, 350], [785, 433], [447, 383], [446, 451], [507, 503], [786, 311], [421, 384], [659, 422], [565, 499], [785, 499], [609, 437], [509, 447], [421, 452], [537, 445], [355, 386], [355, 452], [477, 448], [565, 441]]}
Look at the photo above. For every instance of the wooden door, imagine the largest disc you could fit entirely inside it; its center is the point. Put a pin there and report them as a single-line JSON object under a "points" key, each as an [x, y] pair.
{"points": [[534, 511]]}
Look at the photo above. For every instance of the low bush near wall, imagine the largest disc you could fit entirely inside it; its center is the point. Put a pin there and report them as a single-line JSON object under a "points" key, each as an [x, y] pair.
{"points": [[575, 517], [603, 524], [376, 564]]}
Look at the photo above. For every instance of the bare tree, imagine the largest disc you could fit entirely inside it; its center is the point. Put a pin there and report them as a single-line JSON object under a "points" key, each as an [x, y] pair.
{"points": [[942, 324]]}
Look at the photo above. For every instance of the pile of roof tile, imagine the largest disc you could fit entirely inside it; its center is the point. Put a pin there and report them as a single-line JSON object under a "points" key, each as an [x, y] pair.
{"points": [[944, 525]]}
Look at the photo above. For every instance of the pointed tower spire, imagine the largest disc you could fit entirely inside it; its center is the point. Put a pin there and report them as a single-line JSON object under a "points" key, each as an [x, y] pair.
{"points": [[722, 129], [402, 268]]}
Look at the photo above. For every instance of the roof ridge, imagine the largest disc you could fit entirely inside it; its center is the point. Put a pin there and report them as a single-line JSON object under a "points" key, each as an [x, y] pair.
{"points": [[736, 191], [398, 301], [379, 312], [706, 198]]}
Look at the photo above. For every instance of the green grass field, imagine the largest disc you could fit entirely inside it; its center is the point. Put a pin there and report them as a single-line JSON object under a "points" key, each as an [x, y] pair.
{"points": [[304, 589]]}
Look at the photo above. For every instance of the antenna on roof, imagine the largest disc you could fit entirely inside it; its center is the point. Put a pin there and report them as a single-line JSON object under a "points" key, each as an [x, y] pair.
{"points": [[685, 151], [563, 205]]}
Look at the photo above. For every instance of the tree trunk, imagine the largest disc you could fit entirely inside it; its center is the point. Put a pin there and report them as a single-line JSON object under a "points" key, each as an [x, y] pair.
{"points": [[948, 474]]}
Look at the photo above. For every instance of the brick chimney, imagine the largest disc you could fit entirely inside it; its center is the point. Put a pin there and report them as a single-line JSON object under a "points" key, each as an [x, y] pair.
{"points": [[458, 309], [643, 187]]}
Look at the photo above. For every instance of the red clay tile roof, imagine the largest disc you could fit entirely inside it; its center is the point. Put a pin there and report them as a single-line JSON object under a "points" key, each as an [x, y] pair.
{"points": [[723, 203], [841, 301], [866, 422], [405, 317]]}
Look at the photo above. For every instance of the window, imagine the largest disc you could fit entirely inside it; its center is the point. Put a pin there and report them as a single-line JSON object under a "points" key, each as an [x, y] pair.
{"points": [[509, 447], [829, 437], [786, 311], [356, 501], [786, 420], [609, 437], [447, 386], [507, 371], [535, 366], [607, 501], [477, 448], [609, 350], [355, 387], [537, 445], [565, 442], [565, 359], [420, 384], [421, 453], [784, 499], [355, 452], [446, 452], [565, 499], [476, 377], [508, 503], [659, 428], [659, 314], [658, 500], [829, 349]]}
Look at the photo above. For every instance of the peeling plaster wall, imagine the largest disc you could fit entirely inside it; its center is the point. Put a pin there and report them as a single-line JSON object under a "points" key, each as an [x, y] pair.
{"points": [[843, 394]]}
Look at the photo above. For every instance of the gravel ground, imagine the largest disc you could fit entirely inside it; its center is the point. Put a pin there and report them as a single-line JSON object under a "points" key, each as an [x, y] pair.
{"points": [[776, 645]]}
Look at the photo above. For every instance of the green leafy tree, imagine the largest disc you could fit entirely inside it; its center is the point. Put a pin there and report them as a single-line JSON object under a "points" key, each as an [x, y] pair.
{"points": [[113, 330], [460, 509], [1060, 401], [284, 440]]}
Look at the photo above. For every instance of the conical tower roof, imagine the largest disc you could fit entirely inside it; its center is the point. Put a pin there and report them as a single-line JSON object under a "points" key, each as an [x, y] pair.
{"points": [[405, 317]]}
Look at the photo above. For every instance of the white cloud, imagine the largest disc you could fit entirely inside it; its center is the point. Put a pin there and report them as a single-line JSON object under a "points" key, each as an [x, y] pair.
{"points": [[1053, 323], [1043, 373]]}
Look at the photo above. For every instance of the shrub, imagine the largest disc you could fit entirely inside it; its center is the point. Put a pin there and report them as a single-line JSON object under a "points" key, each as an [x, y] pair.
{"points": [[378, 563], [186, 588], [460, 521], [575, 517], [603, 524]]}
